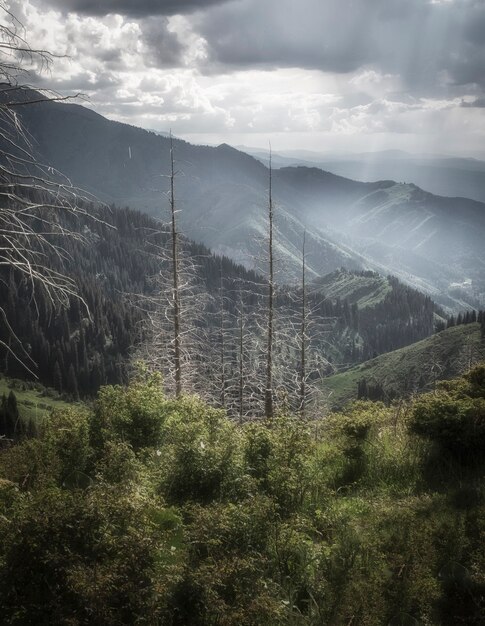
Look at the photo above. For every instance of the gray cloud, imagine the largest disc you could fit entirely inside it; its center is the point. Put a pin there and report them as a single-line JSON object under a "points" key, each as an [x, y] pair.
{"points": [[435, 47], [478, 103], [286, 34], [163, 48], [133, 8], [432, 46], [84, 83], [403, 70]]}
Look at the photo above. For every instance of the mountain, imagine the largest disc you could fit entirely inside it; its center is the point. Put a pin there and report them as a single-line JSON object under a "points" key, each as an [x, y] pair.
{"points": [[438, 174], [76, 352], [445, 176], [381, 313], [432, 242], [364, 289], [411, 369]]}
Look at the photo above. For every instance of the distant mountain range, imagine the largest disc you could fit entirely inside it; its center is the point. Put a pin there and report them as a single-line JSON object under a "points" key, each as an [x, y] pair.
{"points": [[442, 175], [434, 243]]}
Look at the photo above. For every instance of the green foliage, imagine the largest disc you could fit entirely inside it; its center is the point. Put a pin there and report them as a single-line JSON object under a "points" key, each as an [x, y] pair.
{"points": [[199, 458], [229, 581], [154, 511], [66, 433], [351, 432], [133, 414], [86, 558], [277, 457], [454, 415], [60, 455]]}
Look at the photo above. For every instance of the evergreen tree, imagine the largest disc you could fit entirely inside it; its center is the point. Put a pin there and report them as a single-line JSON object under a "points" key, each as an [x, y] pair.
{"points": [[72, 387], [58, 377], [9, 416], [3, 417]]}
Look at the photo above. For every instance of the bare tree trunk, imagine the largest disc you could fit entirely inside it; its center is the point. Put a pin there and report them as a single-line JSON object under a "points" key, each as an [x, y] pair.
{"points": [[34, 197], [268, 401], [222, 346], [303, 333], [175, 276], [241, 361]]}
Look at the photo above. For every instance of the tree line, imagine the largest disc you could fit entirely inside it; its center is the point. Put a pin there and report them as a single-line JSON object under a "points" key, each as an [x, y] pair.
{"points": [[79, 348]]}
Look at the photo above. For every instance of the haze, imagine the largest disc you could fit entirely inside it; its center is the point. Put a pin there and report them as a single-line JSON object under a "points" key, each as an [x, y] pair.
{"points": [[334, 76]]}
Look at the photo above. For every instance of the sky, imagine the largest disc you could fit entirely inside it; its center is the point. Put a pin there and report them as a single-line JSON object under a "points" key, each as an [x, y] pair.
{"points": [[332, 76]]}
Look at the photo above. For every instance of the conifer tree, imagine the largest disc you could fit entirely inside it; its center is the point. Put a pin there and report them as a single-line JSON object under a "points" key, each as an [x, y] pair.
{"points": [[12, 415], [58, 383], [3, 417], [72, 386]]}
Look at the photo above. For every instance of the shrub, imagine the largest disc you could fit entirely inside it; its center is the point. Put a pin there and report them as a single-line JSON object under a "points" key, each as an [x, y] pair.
{"points": [[199, 454], [62, 454], [278, 456], [229, 579], [102, 556], [351, 430], [134, 414], [451, 419], [66, 433]]}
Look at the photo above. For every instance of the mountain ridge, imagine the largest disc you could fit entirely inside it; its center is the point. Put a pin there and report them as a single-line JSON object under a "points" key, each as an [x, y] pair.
{"points": [[223, 197]]}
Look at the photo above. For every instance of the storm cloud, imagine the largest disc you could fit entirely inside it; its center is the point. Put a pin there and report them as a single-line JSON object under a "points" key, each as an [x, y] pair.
{"points": [[132, 8], [478, 103], [398, 74], [433, 45], [429, 44]]}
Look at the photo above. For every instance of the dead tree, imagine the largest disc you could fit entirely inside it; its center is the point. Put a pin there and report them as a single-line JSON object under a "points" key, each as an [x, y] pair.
{"points": [[222, 342], [175, 280], [34, 198], [268, 401], [177, 323], [303, 337], [241, 362]]}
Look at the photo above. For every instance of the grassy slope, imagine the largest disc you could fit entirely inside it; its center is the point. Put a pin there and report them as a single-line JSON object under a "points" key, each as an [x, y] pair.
{"points": [[31, 399], [366, 291], [412, 368]]}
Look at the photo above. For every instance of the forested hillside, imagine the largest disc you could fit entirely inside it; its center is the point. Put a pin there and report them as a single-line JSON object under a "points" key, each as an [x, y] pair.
{"points": [[412, 369], [431, 242], [91, 343]]}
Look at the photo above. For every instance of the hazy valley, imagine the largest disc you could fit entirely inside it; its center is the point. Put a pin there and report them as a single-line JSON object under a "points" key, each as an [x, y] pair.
{"points": [[434, 243], [242, 386]]}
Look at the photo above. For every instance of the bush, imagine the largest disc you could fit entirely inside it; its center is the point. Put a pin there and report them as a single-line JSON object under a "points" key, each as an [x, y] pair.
{"points": [[229, 579], [351, 431], [156, 511], [103, 556], [199, 456], [66, 433], [454, 416], [60, 456], [134, 414]]}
